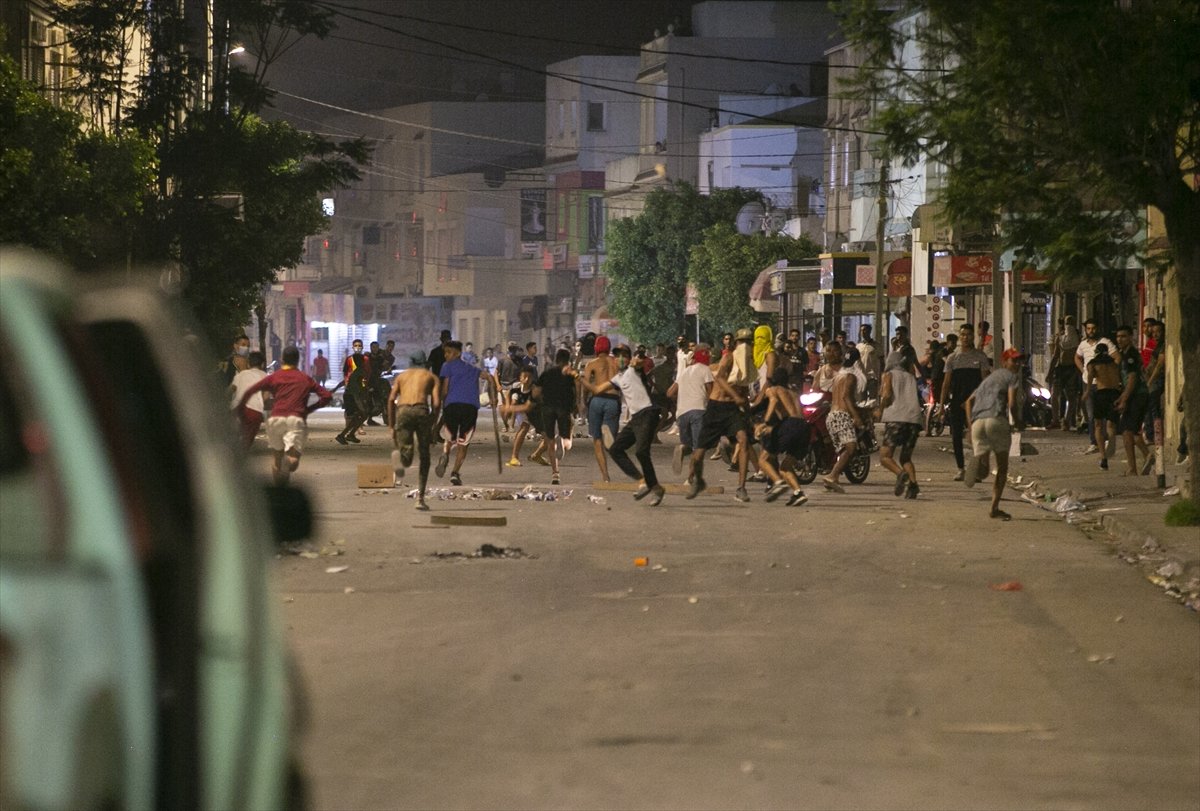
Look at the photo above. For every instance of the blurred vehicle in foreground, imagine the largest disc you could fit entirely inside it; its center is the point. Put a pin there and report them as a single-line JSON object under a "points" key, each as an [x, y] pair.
{"points": [[143, 661]]}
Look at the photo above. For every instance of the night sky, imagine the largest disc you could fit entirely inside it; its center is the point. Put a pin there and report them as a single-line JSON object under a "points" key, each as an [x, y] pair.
{"points": [[370, 63]]}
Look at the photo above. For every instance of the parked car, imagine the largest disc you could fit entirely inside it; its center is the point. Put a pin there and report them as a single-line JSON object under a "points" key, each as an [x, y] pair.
{"points": [[143, 656]]}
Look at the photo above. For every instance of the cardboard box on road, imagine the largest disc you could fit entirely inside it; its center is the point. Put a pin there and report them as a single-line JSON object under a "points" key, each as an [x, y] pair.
{"points": [[371, 476]]}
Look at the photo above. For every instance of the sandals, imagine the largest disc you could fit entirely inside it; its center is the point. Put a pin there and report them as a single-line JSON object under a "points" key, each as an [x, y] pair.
{"points": [[832, 486], [1001, 514]]}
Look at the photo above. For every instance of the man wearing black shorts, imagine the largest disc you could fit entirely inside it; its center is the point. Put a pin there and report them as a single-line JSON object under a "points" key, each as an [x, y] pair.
{"points": [[460, 396], [556, 388], [724, 416], [1134, 399]]}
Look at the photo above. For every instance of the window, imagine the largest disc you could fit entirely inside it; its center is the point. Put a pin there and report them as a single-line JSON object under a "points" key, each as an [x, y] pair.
{"points": [[562, 118], [595, 116], [574, 117]]}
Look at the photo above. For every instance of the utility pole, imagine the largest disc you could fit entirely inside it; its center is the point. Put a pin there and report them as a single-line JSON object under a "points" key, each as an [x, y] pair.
{"points": [[880, 329]]}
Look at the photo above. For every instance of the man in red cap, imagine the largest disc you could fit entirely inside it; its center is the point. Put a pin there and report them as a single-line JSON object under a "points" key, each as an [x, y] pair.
{"points": [[604, 409], [988, 411]]}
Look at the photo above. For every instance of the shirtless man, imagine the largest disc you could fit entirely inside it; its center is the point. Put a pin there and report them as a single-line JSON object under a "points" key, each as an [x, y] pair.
{"points": [[724, 415], [782, 431], [412, 411], [604, 409], [842, 422], [1101, 390]]}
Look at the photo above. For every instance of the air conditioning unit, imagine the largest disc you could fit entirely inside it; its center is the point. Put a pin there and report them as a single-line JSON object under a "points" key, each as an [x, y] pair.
{"points": [[858, 247]]}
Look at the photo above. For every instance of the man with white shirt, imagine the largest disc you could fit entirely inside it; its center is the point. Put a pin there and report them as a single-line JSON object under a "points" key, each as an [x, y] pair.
{"points": [[1083, 356], [638, 433], [690, 391], [870, 359]]}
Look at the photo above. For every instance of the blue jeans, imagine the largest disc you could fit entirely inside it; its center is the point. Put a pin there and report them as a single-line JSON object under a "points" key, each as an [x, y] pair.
{"points": [[689, 428], [603, 411]]}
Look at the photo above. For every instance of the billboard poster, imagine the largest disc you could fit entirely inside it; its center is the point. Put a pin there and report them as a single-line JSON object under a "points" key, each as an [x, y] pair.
{"points": [[533, 215]]}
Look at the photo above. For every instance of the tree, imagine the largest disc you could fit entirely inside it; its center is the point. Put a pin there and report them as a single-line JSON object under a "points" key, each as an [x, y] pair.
{"points": [[1060, 119], [647, 265], [63, 189], [725, 264], [232, 197]]}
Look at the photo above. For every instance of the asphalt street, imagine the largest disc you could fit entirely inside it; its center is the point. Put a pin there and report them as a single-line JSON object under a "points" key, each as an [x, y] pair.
{"points": [[856, 652]]}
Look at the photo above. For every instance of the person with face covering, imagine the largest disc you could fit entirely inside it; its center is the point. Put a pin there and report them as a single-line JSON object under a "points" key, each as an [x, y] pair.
{"points": [[766, 359]]}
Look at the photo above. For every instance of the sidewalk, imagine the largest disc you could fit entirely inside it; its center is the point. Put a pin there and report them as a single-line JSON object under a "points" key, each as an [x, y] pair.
{"points": [[1125, 511]]}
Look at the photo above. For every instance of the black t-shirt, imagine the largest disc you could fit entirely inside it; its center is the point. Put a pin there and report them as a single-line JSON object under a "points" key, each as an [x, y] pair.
{"points": [[1131, 364], [437, 357], [558, 390]]}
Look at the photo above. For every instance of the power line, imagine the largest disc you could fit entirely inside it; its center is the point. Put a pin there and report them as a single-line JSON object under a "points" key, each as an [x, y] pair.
{"points": [[582, 83], [337, 7]]}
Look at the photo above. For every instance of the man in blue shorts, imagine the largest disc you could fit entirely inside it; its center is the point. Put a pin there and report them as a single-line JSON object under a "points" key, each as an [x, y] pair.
{"points": [[604, 409]]}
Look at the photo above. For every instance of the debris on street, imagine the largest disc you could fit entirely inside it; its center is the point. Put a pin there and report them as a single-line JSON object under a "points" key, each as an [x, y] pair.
{"points": [[526, 493], [337, 569], [1011, 585], [486, 551]]}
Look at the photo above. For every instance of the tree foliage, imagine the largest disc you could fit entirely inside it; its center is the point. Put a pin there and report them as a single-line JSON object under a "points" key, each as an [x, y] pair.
{"points": [[1064, 117], [186, 176], [725, 264], [648, 257], [62, 188]]}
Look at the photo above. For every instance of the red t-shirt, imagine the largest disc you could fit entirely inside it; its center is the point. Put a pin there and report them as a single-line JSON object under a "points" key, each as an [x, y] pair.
{"points": [[290, 388], [1148, 352]]}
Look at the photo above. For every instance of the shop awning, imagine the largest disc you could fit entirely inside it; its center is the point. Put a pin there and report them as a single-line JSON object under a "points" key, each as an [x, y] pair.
{"points": [[761, 300]]}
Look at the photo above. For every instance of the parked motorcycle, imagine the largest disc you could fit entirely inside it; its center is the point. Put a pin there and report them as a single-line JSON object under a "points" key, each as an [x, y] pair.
{"points": [[1037, 410], [821, 456]]}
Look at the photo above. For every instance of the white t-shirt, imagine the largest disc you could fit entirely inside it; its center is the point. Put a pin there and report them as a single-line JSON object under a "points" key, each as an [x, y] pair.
{"points": [[633, 391], [244, 380], [693, 394], [681, 362], [1087, 351], [490, 364]]}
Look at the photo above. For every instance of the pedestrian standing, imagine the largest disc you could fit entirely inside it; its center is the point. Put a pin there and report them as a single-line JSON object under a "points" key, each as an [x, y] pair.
{"points": [[238, 360], [507, 373], [287, 425], [988, 411], [356, 372], [437, 355], [902, 416], [638, 433], [1083, 356], [1134, 400], [843, 420], [320, 367]]}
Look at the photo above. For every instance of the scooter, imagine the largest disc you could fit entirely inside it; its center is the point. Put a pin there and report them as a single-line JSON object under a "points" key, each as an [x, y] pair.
{"points": [[1037, 410], [821, 456]]}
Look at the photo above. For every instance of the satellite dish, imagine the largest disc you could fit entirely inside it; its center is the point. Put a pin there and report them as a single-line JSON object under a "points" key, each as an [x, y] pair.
{"points": [[749, 219], [775, 222]]}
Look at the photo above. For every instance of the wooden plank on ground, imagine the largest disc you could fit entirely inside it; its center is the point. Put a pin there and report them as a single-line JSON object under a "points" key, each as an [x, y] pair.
{"points": [[470, 520], [672, 489]]}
